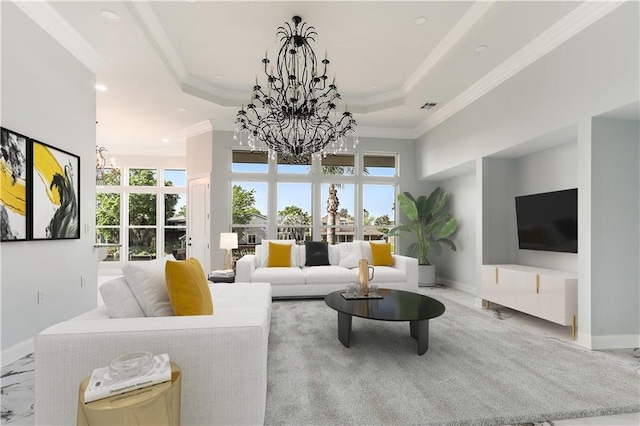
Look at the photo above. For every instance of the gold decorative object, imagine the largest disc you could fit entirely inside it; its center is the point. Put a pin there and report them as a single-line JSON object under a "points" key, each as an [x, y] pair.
{"points": [[154, 405]]}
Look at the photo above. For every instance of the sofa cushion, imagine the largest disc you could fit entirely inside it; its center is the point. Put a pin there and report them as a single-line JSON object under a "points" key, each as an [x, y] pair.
{"points": [[317, 253], [119, 300], [279, 255], [381, 254], [329, 274], [188, 288], [148, 285], [388, 274], [350, 254], [241, 296], [278, 276]]}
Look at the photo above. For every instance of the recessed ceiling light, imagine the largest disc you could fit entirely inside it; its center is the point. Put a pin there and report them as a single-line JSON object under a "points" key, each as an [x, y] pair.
{"points": [[101, 87], [373, 87], [112, 16], [420, 20], [480, 48], [165, 140], [182, 109]]}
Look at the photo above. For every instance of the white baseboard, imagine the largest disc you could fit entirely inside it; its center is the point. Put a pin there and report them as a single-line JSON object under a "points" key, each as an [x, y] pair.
{"points": [[17, 351], [468, 288], [621, 341]]}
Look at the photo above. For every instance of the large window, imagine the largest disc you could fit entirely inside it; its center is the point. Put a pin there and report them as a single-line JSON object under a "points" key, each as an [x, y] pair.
{"points": [[294, 211], [141, 212], [337, 198], [378, 210], [249, 212]]}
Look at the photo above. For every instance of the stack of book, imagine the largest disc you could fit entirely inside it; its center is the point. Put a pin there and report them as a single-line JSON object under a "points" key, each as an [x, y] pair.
{"points": [[104, 382], [222, 273]]}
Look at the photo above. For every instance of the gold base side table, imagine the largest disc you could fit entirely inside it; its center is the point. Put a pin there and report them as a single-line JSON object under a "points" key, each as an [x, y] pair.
{"points": [[154, 405]]}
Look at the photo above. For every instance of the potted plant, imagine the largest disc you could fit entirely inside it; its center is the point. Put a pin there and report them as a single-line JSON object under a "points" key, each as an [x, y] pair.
{"points": [[430, 225]]}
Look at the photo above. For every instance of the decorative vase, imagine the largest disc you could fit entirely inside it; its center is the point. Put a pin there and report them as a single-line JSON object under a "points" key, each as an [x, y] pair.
{"points": [[426, 275]]}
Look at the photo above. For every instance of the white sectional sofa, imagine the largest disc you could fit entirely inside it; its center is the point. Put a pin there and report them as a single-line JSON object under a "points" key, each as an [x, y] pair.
{"points": [[223, 357], [313, 281]]}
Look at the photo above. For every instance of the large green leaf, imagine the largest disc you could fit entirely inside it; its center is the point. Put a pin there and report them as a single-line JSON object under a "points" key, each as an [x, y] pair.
{"points": [[423, 211], [440, 202], [433, 198], [413, 250], [408, 206], [448, 228], [448, 243]]}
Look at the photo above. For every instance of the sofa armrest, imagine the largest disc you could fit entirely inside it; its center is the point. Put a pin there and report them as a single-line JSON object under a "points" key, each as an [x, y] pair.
{"points": [[245, 266], [223, 359], [410, 266]]}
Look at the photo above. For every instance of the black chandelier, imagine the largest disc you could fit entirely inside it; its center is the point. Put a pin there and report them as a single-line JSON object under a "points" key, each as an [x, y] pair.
{"points": [[297, 114]]}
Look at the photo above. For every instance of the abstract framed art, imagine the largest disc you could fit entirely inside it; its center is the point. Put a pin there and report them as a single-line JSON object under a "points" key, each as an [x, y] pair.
{"points": [[14, 186], [55, 193]]}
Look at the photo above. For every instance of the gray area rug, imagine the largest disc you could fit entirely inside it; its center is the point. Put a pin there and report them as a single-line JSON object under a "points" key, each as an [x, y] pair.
{"points": [[477, 371]]}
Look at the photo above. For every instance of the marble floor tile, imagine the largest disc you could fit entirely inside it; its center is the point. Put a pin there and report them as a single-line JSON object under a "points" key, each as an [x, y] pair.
{"points": [[17, 392]]}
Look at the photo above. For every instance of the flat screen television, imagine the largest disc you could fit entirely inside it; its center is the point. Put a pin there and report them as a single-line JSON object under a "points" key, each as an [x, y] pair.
{"points": [[548, 221]]}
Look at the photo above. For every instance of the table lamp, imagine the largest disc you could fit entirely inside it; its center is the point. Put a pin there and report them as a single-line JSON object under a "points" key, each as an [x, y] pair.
{"points": [[228, 241]]}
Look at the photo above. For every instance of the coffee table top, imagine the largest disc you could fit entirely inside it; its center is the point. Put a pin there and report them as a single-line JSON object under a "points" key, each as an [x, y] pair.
{"points": [[395, 305]]}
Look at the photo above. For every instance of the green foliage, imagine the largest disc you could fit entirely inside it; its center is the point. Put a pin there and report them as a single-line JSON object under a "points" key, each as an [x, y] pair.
{"points": [[243, 205], [428, 222], [382, 220], [294, 215], [142, 209]]}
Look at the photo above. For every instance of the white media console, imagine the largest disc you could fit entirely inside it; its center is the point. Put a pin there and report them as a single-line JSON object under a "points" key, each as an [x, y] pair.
{"points": [[544, 293]]}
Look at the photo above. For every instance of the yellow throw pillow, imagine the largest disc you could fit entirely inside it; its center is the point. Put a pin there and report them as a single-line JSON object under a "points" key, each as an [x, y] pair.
{"points": [[188, 287], [381, 254], [279, 255]]}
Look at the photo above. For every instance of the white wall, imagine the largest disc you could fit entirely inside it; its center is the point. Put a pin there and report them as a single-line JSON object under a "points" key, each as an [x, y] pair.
{"points": [[48, 95], [552, 169], [593, 72], [615, 208], [457, 269]]}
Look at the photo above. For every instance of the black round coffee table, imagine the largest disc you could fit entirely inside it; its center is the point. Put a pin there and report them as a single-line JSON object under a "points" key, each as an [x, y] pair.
{"points": [[395, 305]]}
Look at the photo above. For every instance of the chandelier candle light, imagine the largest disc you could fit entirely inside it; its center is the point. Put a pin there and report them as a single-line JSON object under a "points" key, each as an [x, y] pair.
{"points": [[298, 115]]}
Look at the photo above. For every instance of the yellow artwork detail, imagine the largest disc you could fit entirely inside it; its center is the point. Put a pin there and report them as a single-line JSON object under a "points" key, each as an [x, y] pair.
{"points": [[14, 196], [47, 167]]}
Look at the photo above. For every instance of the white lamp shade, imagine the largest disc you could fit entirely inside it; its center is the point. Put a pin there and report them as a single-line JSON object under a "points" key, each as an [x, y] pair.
{"points": [[228, 240]]}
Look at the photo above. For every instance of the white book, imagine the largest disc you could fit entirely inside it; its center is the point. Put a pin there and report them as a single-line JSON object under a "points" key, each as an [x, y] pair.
{"points": [[103, 385], [222, 272]]}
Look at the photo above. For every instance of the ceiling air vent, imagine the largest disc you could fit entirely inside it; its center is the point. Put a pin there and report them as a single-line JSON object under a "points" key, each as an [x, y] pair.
{"points": [[428, 105]]}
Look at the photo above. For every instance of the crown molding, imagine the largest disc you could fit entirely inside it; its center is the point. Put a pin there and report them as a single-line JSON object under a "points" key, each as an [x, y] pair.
{"points": [[385, 132], [198, 128], [49, 20], [567, 27], [363, 131], [475, 13], [150, 25]]}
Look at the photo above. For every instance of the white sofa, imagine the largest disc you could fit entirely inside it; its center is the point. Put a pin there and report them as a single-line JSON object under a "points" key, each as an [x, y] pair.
{"points": [[313, 281], [223, 357]]}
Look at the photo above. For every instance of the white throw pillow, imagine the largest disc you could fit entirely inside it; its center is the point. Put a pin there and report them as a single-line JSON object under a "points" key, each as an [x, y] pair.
{"points": [[264, 252], [350, 254], [119, 300], [148, 284], [334, 254]]}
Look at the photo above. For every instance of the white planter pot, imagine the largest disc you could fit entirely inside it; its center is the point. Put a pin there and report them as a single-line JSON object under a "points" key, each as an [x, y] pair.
{"points": [[426, 275]]}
